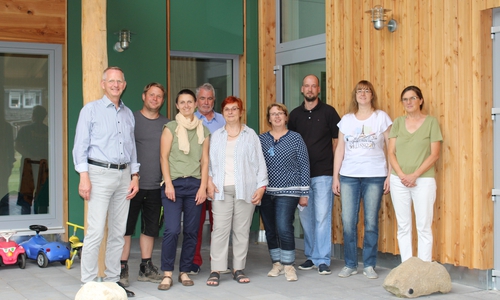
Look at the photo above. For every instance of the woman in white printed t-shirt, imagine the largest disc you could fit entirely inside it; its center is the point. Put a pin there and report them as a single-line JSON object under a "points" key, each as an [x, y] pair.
{"points": [[360, 172]]}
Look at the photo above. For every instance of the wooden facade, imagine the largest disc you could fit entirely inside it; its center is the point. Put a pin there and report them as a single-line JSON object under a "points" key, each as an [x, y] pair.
{"points": [[444, 47]]}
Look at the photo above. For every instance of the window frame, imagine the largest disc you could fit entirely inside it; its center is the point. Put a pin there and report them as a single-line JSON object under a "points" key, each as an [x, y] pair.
{"points": [[54, 218], [202, 55]]}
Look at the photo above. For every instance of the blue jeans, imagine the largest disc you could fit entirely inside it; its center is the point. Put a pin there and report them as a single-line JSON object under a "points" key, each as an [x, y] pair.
{"points": [[278, 214], [185, 194], [352, 190], [316, 221]]}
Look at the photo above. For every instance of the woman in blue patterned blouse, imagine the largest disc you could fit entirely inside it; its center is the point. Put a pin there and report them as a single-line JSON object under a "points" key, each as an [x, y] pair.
{"points": [[287, 164]]}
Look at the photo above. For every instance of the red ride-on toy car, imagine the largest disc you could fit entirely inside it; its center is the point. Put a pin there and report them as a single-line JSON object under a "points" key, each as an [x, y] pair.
{"points": [[10, 252]]}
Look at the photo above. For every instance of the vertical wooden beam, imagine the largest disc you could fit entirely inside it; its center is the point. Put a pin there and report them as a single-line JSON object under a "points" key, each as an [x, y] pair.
{"points": [[243, 65], [169, 97], [94, 61], [65, 162], [267, 59]]}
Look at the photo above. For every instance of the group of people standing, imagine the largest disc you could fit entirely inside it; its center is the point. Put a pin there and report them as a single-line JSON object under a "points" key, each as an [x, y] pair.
{"points": [[206, 155]]}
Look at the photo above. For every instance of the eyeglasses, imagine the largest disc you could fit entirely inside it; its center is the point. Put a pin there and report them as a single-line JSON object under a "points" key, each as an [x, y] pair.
{"points": [[410, 99], [363, 91], [280, 113], [203, 98], [233, 109], [112, 82]]}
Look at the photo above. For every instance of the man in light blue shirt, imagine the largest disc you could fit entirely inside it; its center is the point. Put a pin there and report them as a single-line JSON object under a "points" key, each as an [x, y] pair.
{"points": [[205, 100], [104, 154]]}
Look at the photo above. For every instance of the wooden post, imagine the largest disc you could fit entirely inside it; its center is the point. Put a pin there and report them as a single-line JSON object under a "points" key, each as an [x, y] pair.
{"points": [[94, 61]]}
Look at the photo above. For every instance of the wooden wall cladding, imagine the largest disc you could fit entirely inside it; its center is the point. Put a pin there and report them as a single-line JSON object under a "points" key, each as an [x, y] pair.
{"points": [[38, 21], [444, 47]]}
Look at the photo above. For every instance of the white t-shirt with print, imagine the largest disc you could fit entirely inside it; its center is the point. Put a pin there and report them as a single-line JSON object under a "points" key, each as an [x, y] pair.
{"points": [[364, 145]]}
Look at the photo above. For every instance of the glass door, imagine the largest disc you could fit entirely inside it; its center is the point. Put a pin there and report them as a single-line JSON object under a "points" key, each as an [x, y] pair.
{"points": [[300, 51]]}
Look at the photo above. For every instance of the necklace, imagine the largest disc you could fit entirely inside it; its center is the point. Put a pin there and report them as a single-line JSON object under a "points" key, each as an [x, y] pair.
{"points": [[235, 134]]}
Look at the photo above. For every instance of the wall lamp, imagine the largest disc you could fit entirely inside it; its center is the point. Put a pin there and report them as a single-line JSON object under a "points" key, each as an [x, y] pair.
{"points": [[379, 17], [123, 40]]}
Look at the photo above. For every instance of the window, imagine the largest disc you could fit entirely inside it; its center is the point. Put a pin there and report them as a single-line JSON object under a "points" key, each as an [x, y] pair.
{"points": [[15, 99], [31, 136], [32, 98], [301, 19], [189, 70]]}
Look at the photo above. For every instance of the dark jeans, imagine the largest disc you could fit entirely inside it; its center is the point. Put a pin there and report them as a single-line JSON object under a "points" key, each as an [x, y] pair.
{"points": [[185, 193], [278, 214]]}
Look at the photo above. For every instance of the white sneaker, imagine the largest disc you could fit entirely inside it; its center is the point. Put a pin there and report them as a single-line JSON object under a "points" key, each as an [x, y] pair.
{"points": [[370, 273], [346, 272], [276, 270]]}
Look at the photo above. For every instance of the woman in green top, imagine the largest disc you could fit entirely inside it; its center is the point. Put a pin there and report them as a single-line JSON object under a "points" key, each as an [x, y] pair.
{"points": [[184, 165], [414, 145]]}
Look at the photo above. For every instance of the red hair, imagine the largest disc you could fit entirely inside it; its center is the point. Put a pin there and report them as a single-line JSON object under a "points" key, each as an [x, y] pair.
{"points": [[230, 100]]}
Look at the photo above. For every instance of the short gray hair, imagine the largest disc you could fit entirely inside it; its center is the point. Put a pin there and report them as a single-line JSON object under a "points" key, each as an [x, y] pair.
{"points": [[206, 86]]}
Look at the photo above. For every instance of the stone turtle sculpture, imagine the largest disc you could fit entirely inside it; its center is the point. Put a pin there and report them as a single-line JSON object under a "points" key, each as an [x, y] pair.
{"points": [[414, 278]]}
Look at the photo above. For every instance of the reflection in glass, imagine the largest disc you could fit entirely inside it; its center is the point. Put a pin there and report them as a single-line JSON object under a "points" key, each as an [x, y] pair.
{"points": [[190, 72], [292, 81], [301, 19], [24, 134]]}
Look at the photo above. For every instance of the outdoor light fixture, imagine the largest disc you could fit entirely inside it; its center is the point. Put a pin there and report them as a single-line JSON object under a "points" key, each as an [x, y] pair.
{"points": [[123, 40], [379, 17]]}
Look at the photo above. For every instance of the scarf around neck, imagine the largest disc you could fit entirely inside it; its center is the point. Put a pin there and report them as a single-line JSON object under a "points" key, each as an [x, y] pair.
{"points": [[183, 125]]}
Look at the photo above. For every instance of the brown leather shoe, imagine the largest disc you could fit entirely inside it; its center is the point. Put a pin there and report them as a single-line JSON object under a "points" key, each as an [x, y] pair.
{"points": [[186, 282], [165, 286]]}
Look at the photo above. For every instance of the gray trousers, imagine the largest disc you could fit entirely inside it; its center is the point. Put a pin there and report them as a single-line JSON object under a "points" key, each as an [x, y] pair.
{"points": [[228, 213], [107, 199]]}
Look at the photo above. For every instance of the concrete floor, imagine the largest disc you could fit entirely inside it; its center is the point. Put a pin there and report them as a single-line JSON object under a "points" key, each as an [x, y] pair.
{"points": [[56, 282]]}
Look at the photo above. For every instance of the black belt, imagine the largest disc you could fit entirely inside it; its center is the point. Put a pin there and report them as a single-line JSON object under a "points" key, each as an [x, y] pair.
{"points": [[106, 165]]}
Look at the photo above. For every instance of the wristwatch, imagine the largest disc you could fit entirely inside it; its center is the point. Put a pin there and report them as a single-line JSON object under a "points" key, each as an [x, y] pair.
{"points": [[135, 174]]}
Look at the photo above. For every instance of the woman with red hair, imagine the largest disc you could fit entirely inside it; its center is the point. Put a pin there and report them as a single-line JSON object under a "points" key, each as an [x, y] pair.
{"points": [[237, 182]]}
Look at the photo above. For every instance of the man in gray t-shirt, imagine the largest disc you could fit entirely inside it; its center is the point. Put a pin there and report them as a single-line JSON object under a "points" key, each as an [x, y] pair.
{"points": [[148, 127]]}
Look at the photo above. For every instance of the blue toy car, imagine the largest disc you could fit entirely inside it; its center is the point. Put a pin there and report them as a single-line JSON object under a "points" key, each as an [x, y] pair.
{"points": [[43, 251]]}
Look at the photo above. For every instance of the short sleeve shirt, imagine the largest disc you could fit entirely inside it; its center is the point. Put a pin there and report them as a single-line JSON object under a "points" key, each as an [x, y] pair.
{"points": [[364, 145], [317, 127], [413, 148]]}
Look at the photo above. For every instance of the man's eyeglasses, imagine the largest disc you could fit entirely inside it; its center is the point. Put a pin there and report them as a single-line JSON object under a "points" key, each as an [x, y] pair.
{"points": [[112, 82]]}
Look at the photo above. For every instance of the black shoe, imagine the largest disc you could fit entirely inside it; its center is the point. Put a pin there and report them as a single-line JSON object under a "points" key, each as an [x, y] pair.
{"points": [[307, 265], [129, 292], [195, 269], [323, 269]]}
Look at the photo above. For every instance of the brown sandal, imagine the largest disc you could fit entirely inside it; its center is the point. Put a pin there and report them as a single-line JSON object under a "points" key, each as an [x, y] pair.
{"points": [[165, 286], [187, 282]]}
